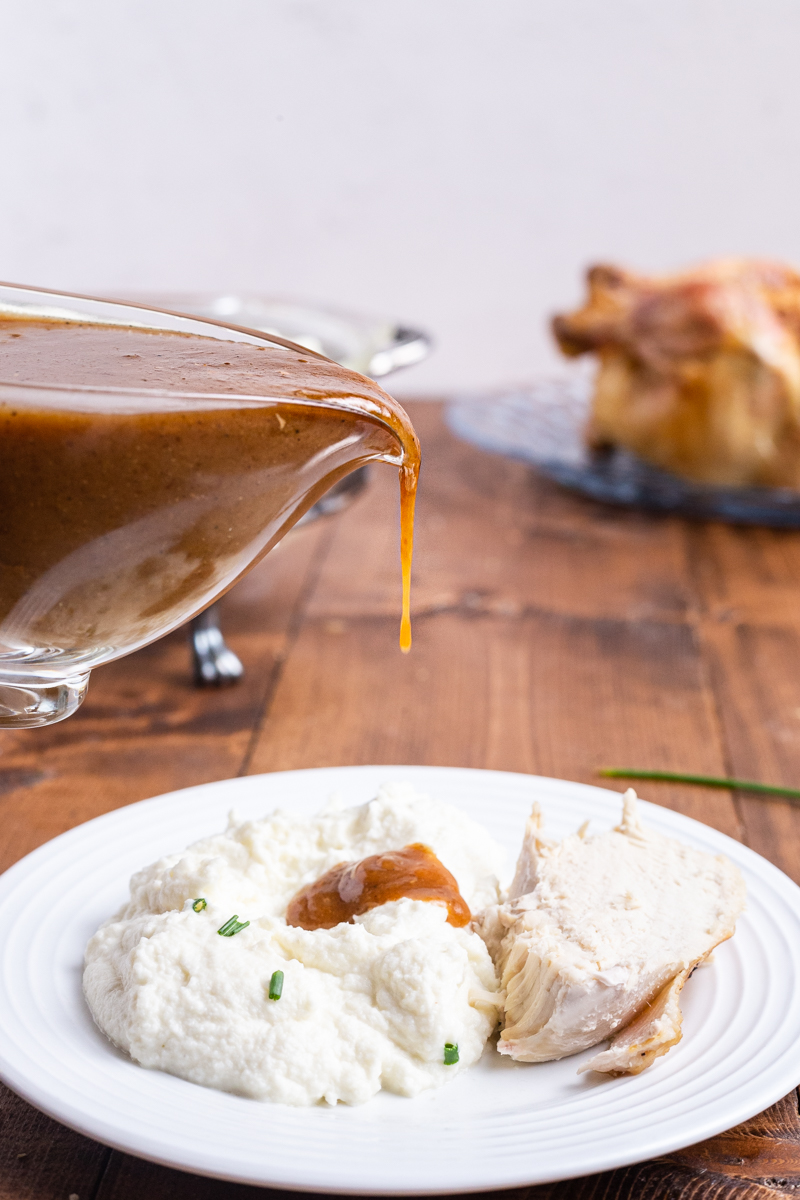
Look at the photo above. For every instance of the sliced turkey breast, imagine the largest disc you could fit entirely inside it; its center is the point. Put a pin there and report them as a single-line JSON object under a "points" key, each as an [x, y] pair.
{"points": [[598, 936]]}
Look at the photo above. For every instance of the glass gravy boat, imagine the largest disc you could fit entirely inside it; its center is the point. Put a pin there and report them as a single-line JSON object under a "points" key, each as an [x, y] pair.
{"points": [[141, 476]]}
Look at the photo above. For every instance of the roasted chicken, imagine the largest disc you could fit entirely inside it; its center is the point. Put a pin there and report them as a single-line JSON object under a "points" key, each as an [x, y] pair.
{"points": [[699, 373]]}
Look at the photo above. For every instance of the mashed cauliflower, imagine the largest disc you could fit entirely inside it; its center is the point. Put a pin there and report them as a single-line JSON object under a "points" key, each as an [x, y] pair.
{"points": [[364, 1006]]}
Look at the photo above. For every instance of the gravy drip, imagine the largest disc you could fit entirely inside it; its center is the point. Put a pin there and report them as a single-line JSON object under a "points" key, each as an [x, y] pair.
{"points": [[350, 889]]}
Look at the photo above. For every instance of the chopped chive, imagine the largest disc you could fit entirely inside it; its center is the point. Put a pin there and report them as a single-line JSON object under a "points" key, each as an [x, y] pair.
{"points": [[199, 905], [741, 785], [450, 1054], [233, 926], [276, 985]]}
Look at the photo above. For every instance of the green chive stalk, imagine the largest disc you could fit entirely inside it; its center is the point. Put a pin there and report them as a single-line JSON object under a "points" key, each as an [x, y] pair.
{"points": [[739, 785], [234, 925]]}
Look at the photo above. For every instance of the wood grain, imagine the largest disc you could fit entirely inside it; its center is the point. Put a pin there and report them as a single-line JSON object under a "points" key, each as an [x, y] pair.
{"points": [[42, 1160], [552, 635]]}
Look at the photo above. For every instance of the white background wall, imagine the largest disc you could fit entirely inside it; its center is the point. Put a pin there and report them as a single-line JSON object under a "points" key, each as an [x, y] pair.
{"points": [[452, 162]]}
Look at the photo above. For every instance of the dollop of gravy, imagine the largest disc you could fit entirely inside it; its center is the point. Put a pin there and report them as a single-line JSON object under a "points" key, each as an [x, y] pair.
{"points": [[350, 889]]}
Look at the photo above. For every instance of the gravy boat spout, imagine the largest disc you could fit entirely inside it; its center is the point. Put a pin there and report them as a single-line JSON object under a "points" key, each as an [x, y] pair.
{"points": [[148, 460]]}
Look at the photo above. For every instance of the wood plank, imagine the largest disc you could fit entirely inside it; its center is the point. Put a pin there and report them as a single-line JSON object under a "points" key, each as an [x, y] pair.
{"points": [[662, 1181], [42, 1160], [756, 680], [128, 1178], [781, 1120], [765, 1149], [759, 1158], [748, 627], [744, 574]]}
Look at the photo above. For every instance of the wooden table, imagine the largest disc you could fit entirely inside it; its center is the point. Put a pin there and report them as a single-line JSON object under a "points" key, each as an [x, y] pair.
{"points": [[552, 635]]}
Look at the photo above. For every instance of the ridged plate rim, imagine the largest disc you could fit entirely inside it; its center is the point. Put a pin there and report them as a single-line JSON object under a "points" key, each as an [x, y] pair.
{"points": [[499, 1125]]}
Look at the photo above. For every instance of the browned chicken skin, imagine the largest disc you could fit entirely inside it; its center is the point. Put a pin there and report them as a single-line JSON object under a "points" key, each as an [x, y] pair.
{"points": [[699, 373]]}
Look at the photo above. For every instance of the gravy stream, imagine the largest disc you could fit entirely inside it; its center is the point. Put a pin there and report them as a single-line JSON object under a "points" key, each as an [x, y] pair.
{"points": [[350, 889]]}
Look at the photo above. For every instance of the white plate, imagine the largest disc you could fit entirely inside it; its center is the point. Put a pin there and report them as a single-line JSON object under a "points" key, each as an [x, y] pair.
{"points": [[502, 1124]]}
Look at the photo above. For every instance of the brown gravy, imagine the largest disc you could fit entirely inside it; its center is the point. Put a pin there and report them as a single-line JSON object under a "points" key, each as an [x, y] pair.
{"points": [[121, 515], [350, 889]]}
